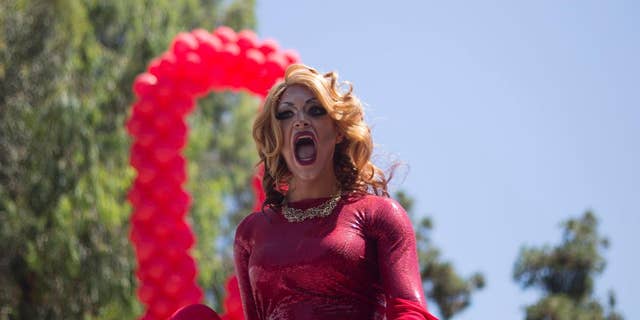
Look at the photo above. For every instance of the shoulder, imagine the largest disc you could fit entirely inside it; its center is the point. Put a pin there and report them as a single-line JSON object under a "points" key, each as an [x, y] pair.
{"points": [[248, 224], [383, 216], [244, 237], [378, 205]]}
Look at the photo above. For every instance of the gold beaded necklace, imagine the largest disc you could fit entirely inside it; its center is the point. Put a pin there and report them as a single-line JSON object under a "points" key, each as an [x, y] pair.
{"points": [[322, 210]]}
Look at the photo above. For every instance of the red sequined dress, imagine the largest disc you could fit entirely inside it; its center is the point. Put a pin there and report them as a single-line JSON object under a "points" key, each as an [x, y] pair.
{"points": [[360, 262]]}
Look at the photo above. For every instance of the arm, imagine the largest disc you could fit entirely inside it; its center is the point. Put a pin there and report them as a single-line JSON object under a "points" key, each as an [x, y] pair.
{"points": [[398, 262], [241, 253]]}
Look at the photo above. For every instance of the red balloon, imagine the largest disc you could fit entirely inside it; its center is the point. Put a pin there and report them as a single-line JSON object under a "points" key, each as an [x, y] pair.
{"points": [[161, 191], [167, 146], [140, 155], [143, 84], [178, 171], [141, 232], [174, 284], [193, 66], [162, 307], [147, 134], [292, 56], [182, 237], [163, 226], [134, 235], [180, 204], [247, 39], [168, 73], [165, 153], [138, 122], [276, 63], [135, 196], [183, 44], [226, 35], [181, 104], [190, 295], [145, 211], [154, 66], [146, 292], [148, 316], [146, 173], [145, 250], [173, 251], [232, 300], [229, 55], [203, 36], [253, 61], [167, 68], [156, 269], [162, 121], [174, 171], [144, 106], [268, 46], [209, 51]]}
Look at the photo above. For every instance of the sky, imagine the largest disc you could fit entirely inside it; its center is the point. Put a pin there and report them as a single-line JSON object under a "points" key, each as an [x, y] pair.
{"points": [[509, 117]]}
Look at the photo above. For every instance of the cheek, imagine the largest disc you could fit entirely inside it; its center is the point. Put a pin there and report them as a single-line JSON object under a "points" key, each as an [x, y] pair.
{"points": [[330, 131], [284, 131]]}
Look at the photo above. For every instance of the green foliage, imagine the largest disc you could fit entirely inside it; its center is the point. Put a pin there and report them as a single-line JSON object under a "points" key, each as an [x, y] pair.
{"points": [[222, 156], [565, 274], [66, 69], [451, 292]]}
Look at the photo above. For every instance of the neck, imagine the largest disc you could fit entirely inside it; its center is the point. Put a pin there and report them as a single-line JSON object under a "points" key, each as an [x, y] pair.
{"points": [[319, 188]]}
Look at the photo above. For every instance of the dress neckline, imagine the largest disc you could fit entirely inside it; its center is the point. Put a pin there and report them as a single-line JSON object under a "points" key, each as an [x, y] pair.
{"points": [[308, 203]]}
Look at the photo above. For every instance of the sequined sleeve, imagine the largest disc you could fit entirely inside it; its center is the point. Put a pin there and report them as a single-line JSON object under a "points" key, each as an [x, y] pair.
{"points": [[391, 228], [241, 251]]}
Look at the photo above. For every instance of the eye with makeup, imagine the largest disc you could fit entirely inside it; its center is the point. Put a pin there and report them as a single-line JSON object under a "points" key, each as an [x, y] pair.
{"points": [[316, 110], [285, 114]]}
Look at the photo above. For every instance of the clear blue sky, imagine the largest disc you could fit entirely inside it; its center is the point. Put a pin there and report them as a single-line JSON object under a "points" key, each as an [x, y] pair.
{"points": [[512, 116]]}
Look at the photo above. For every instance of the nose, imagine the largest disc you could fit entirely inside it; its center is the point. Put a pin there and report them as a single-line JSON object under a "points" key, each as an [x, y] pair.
{"points": [[301, 122]]}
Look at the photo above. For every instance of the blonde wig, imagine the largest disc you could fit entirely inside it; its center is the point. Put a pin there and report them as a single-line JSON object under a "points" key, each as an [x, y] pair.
{"points": [[353, 168]]}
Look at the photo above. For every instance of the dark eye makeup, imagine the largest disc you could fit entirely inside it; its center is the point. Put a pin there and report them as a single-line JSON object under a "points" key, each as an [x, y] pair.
{"points": [[281, 115], [317, 110]]}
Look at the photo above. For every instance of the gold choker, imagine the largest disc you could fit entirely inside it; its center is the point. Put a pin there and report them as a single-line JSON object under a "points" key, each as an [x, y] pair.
{"points": [[322, 210]]}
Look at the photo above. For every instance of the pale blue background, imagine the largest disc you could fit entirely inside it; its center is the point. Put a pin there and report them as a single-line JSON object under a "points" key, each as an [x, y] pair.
{"points": [[512, 116]]}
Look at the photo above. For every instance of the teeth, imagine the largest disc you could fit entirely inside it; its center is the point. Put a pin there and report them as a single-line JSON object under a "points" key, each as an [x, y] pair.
{"points": [[304, 137]]}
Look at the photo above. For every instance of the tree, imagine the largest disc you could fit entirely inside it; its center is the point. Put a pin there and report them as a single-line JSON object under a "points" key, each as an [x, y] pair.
{"points": [[66, 69], [565, 274], [442, 284]]}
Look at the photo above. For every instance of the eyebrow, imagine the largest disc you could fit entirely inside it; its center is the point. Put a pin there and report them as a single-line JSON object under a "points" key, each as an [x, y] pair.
{"points": [[287, 103]]}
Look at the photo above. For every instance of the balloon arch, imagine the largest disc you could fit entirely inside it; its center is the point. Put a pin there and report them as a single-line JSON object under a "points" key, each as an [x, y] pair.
{"points": [[197, 63]]}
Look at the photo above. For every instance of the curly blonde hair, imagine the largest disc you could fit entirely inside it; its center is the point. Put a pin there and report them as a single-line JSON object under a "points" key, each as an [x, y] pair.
{"points": [[353, 168]]}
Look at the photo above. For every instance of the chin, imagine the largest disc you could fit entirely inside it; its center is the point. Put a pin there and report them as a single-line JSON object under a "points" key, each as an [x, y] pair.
{"points": [[312, 172], [307, 176]]}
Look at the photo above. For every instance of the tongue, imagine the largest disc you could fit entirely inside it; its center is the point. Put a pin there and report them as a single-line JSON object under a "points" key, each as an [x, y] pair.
{"points": [[305, 151]]}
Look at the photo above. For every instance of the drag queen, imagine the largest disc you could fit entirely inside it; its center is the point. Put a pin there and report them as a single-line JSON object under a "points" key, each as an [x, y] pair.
{"points": [[328, 243]]}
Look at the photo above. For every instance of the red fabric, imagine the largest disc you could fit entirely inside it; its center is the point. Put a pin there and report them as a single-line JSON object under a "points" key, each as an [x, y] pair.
{"points": [[398, 308], [358, 263], [195, 312]]}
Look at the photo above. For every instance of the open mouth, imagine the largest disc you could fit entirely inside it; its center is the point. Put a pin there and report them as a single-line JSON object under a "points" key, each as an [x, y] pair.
{"points": [[305, 148]]}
